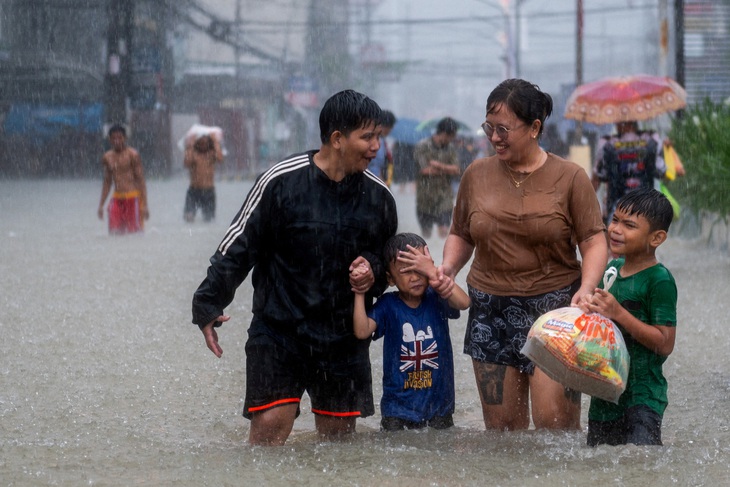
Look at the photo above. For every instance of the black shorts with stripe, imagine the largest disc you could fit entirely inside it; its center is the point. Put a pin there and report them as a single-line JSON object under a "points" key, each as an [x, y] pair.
{"points": [[279, 369]]}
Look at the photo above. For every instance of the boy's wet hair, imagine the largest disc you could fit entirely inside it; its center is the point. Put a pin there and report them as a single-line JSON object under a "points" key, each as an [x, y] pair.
{"points": [[117, 128], [399, 243], [345, 112], [649, 203]]}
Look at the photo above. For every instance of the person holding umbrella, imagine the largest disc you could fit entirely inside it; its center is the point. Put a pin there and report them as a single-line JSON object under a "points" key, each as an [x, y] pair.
{"points": [[629, 162], [520, 214]]}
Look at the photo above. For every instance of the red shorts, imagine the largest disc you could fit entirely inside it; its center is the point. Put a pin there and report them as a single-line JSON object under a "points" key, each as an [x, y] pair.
{"points": [[124, 214]]}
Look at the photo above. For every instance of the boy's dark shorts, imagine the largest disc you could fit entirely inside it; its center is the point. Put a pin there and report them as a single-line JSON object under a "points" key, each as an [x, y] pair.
{"points": [[640, 425], [391, 423], [280, 369]]}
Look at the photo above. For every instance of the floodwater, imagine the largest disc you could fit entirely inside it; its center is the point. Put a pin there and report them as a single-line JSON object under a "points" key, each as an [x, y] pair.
{"points": [[104, 381]]}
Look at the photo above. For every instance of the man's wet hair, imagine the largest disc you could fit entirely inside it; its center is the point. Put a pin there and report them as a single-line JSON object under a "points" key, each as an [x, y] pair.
{"points": [[649, 203], [117, 128], [447, 125], [387, 119], [345, 112], [399, 243]]}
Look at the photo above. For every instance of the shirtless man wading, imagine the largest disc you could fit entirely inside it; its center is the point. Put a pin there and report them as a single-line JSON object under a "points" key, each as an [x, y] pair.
{"points": [[123, 167]]}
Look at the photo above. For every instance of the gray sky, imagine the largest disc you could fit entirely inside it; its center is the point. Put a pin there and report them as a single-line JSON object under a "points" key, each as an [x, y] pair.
{"points": [[458, 49]]}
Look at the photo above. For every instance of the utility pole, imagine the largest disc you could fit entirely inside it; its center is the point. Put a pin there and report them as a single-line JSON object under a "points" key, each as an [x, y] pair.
{"points": [[679, 46], [518, 36], [117, 79], [578, 62]]}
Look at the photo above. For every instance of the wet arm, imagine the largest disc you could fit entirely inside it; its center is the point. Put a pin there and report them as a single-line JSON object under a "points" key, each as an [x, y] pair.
{"points": [[140, 182], [188, 160], [457, 253], [657, 338], [447, 169], [217, 149], [363, 327], [459, 299], [594, 254], [106, 186]]}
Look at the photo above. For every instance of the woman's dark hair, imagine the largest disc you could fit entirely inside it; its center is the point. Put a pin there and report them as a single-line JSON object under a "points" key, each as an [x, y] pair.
{"points": [[346, 111], [649, 203], [399, 243], [523, 98]]}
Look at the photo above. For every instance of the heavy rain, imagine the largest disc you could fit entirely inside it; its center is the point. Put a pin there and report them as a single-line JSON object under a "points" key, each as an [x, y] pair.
{"points": [[104, 380]]}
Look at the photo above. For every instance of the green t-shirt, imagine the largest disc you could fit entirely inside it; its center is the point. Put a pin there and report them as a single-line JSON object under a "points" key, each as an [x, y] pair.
{"points": [[650, 296]]}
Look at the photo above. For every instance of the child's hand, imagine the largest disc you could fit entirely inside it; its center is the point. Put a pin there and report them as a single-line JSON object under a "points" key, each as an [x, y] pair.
{"points": [[604, 303], [442, 284], [361, 276], [584, 302], [418, 261]]}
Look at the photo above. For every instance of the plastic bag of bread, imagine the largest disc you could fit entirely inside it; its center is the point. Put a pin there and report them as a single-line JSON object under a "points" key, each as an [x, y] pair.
{"points": [[585, 352]]}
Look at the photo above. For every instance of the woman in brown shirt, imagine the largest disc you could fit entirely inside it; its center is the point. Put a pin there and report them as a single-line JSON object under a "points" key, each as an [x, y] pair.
{"points": [[521, 213]]}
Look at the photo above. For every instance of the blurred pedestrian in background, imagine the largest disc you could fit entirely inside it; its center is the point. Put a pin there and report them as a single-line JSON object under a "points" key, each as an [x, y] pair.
{"points": [[123, 168], [551, 141], [628, 161], [201, 156], [438, 164], [382, 165]]}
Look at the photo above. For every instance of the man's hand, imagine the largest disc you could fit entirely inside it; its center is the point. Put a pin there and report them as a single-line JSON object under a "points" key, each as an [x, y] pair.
{"points": [[361, 275], [100, 212], [211, 336]]}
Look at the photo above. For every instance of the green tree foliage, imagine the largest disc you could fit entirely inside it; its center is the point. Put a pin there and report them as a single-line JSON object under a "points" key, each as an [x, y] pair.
{"points": [[702, 140]]}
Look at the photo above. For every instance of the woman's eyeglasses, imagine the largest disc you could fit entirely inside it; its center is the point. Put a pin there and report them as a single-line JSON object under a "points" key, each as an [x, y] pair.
{"points": [[502, 131]]}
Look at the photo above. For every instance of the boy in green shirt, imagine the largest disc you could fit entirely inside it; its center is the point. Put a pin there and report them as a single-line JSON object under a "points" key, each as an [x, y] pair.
{"points": [[643, 303]]}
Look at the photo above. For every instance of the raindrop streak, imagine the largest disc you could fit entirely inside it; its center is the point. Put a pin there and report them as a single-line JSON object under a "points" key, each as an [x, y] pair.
{"points": [[106, 381]]}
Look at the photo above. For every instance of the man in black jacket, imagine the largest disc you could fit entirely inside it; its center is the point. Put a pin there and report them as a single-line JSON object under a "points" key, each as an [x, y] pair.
{"points": [[305, 226]]}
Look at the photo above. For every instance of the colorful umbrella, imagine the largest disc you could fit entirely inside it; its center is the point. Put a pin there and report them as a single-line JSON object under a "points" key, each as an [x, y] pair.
{"points": [[613, 100]]}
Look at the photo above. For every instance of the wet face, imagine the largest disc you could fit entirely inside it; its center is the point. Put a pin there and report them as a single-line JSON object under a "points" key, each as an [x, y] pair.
{"points": [[628, 234], [117, 141], [357, 149], [511, 137], [411, 285]]}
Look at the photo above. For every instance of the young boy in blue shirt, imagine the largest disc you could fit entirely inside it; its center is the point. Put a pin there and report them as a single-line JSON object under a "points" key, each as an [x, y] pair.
{"points": [[642, 301], [418, 361]]}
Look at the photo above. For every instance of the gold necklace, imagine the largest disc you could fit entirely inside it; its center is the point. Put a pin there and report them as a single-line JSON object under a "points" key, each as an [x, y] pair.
{"points": [[519, 183]]}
